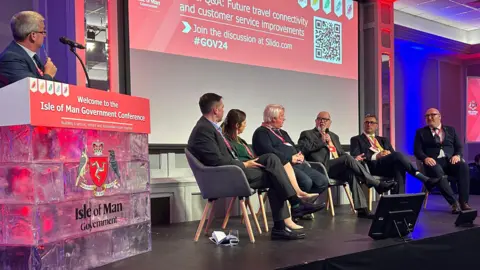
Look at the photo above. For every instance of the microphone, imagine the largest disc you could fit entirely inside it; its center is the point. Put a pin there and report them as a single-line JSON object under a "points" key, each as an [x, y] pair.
{"points": [[74, 45], [71, 43], [327, 130]]}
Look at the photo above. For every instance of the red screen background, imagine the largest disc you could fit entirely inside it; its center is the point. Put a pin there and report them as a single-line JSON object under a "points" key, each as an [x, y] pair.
{"points": [[160, 26]]}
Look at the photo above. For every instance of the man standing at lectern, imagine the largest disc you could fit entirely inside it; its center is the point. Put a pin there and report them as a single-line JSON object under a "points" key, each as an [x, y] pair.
{"points": [[20, 60]]}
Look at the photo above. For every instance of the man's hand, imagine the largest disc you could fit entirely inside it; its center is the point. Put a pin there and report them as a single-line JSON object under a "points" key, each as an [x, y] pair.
{"points": [[50, 68], [297, 158], [252, 164], [430, 161], [327, 138], [360, 157], [455, 159]]}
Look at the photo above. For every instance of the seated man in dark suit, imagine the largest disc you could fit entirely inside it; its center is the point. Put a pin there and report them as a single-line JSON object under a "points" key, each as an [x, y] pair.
{"points": [[20, 60], [440, 150], [382, 159], [321, 145], [208, 145], [271, 139]]}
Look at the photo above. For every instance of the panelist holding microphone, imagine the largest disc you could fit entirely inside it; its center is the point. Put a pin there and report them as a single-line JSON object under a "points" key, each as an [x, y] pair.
{"points": [[20, 60]]}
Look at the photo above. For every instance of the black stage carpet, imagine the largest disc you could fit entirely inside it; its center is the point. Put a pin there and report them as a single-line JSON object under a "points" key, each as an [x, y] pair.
{"points": [[341, 242]]}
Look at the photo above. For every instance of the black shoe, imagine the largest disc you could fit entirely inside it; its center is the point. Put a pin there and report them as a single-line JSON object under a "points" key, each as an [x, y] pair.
{"points": [[307, 217], [287, 234], [364, 213], [305, 209], [431, 183], [455, 208], [385, 186]]}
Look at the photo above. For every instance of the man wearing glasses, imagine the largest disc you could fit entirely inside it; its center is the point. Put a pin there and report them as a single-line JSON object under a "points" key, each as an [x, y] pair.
{"points": [[20, 60], [321, 145], [440, 150], [383, 160]]}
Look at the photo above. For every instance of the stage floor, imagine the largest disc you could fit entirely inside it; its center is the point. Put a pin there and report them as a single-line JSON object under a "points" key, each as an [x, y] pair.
{"points": [[327, 237]]}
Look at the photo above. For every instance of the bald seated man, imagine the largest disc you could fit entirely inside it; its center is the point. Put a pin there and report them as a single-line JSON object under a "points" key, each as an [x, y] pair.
{"points": [[322, 145], [440, 150]]}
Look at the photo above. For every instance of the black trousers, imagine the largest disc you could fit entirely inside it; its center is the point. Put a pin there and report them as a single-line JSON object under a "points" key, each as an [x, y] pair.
{"points": [[395, 165], [309, 179], [348, 169], [459, 171], [273, 177]]}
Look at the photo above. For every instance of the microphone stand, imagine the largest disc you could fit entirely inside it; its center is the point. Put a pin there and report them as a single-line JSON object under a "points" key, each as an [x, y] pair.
{"points": [[72, 49]]}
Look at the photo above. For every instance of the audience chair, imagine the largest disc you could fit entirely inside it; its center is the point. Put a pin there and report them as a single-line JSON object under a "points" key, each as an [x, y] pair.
{"points": [[221, 182], [333, 183]]}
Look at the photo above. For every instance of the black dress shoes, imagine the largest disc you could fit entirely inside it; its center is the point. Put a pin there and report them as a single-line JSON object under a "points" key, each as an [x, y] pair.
{"points": [[305, 209], [385, 186], [455, 208], [364, 213], [287, 234]]}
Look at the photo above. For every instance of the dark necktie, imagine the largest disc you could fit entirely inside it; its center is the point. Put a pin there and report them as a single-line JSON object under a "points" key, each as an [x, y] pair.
{"points": [[38, 62], [436, 137]]}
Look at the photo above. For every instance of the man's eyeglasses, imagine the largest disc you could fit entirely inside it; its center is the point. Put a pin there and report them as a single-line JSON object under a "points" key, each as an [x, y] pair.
{"points": [[40, 32], [323, 119], [431, 115], [370, 122]]}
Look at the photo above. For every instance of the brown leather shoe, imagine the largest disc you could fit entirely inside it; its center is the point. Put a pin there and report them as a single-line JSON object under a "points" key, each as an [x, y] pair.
{"points": [[455, 208], [465, 206]]}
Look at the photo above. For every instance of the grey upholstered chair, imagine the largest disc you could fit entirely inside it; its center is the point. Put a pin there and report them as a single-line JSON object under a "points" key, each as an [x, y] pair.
{"points": [[333, 183], [221, 182]]}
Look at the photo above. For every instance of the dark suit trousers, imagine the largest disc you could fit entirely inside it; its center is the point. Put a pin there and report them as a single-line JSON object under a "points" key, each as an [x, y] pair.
{"points": [[459, 171], [309, 179], [395, 165], [346, 168], [273, 177]]}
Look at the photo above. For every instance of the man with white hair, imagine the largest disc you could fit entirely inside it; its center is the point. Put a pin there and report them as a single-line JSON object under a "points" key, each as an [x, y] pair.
{"points": [[270, 138], [20, 60]]}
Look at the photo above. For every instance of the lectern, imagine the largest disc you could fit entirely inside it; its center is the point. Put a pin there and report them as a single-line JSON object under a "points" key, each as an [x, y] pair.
{"points": [[74, 176]]}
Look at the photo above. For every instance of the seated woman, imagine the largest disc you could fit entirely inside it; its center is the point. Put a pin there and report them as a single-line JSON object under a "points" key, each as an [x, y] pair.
{"points": [[270, 138], [233, 125]]}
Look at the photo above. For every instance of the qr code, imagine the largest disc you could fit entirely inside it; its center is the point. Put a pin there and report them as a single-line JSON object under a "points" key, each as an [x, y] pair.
{"points": [[327, 39]]}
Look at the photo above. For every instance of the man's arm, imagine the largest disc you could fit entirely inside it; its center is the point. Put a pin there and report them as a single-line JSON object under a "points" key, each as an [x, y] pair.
{"points": [[307, 144], [262, 144], [14, 69], [417, 146], [457, 144], [205, 145]]}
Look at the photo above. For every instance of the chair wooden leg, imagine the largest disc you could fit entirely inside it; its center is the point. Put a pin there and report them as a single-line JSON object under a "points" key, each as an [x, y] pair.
{"points": [[426, 199], [370, 199], [247, 221], [210, 217], [330, 200], [349, 196], [255, 219], [264, 213], [202, 222], [227, 215]]}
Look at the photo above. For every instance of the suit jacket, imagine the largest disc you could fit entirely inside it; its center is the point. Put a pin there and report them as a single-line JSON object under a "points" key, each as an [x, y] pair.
{"points": [[361, 145], [16, 64], [425, 145], [315, 149], [265, 142], [208, 146]]}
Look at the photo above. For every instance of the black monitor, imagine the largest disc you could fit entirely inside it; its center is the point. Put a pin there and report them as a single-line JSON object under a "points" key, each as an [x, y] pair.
{"points": [[396, 215]]}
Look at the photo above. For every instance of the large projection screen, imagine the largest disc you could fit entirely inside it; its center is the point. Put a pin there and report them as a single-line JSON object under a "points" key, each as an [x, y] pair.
{"points": [[298, 53]]}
